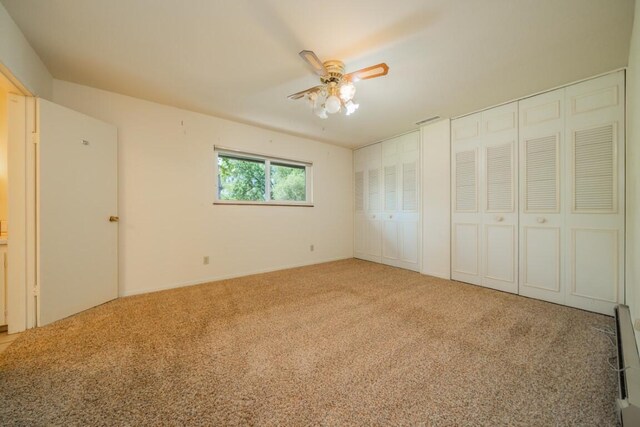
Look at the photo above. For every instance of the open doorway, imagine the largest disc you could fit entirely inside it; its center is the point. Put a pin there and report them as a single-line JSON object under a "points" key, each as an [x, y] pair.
{"points": [[17, 207], [60, 234]]}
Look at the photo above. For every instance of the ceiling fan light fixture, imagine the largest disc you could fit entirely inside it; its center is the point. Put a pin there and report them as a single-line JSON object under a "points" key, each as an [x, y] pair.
{"points": [[332, 104], [337, 89], [320, 111], [347, 92], [351, 107]]}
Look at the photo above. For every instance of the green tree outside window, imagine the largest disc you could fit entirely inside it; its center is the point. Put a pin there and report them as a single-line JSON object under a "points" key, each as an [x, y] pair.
{"points": [[245, 180]]}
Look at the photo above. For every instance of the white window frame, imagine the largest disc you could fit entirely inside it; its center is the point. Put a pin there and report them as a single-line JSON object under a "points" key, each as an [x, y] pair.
{"points": [[218, 151]]}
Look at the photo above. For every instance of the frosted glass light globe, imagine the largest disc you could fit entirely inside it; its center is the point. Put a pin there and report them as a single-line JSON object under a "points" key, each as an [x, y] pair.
{"points": [[320, 112], [347, 91], [332, 104], [351, 107]]}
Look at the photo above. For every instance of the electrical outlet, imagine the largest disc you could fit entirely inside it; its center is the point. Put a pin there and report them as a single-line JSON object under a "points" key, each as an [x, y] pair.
{"points": [[311, 248], [205, 260]]}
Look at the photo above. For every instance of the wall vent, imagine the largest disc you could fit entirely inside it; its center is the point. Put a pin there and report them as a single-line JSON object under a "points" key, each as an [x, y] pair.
{"points": [[430, 119]]}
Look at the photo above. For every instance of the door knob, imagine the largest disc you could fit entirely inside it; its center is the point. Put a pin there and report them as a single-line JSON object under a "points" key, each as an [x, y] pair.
{"points": [[541, 220], [114, 219], [499, 218]]}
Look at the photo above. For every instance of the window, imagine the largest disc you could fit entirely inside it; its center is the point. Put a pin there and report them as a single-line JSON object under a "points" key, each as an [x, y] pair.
{"points": [[244, 178]]}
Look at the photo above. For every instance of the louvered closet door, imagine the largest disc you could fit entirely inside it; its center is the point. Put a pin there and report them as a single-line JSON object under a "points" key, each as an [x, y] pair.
{"points": [[401, 218], [466, 221], [391, 245], [359, 204], [595, 193], [374, 196], [541, 206], [498, 198]]}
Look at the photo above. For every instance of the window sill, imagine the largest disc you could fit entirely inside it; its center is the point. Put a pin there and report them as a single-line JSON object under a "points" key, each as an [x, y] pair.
{"points": [[240, 203]]}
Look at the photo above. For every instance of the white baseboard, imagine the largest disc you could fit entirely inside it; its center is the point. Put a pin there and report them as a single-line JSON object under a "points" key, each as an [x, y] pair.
{"points": [[224, 277], [439, 274]]}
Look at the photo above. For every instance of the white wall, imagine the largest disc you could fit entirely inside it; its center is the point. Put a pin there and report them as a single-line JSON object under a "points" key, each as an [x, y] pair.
{"points": [[166, 193], [17, 56], [633, 174], [436, 195]]}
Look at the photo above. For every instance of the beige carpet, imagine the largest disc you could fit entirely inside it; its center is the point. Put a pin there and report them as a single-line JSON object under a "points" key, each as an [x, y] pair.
{"points": [[343, 343]]}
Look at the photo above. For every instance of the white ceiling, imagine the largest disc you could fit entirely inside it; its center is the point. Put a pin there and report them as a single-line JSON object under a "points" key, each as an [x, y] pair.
{"points": [[238, 58]]}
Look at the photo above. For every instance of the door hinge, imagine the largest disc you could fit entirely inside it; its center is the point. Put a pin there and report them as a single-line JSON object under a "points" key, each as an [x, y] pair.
{"points": [[36, 291], [36, 138]]}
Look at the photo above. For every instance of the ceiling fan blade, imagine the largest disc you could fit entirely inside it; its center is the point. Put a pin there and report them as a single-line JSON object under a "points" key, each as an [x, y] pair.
{"points": [[372, 72], [315, 63], [302, 93]]}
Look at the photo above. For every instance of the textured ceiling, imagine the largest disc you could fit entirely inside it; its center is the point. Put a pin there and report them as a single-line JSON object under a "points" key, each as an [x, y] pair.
{"points": [[238, 59]]}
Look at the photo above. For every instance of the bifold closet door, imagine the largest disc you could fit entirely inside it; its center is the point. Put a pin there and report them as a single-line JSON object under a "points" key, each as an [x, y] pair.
{"points": [[359, 204], [367, 186], [594, 232], [374, 181], [499, 206], [484, 221], [466, 221], [401, 219], [541, 205]]}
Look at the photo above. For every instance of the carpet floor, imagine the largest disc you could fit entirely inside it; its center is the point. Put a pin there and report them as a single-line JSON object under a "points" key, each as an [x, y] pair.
{"points": [[341, 343]]}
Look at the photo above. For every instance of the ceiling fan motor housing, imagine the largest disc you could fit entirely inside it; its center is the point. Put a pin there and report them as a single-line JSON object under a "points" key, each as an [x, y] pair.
{"points": [[335, 71]]}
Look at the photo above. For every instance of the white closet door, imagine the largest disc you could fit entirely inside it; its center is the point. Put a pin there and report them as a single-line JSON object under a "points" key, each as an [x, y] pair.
{"points": [[391, 244], [409, 213], [541, 207], [499, 204], [359, 204], [401, 227], [594, 191], [374, 196], [466, 220]]}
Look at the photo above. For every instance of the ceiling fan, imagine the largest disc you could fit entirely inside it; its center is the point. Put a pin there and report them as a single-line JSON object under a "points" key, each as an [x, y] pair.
{"points": [[337, 90]]}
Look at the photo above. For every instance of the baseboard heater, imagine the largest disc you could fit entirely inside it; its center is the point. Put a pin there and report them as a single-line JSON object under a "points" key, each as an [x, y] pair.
{"points": [[628, 368]]}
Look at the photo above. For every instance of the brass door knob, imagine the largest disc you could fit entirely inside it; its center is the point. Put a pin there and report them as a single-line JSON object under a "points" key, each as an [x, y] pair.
{"points": [[114, 219]]}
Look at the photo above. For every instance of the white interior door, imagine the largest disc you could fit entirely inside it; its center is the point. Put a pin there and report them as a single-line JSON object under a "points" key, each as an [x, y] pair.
{"points": [[499, 206], [541, 205], [595, 193], [77, 184], [374, 182], [466, 220], [401, 216], [359, 204]]}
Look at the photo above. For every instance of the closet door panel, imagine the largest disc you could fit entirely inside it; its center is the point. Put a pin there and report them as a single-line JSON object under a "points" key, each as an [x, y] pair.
{"points": [[375, 199], [541, 138], [594, 165], [466, 219], [500, 253], [594, 280], [373, 238], [360, 234], [374, 193], [391, 241], [541, 261], [466, 250], [360, 203], [401, 217], [410, 239], [499, 213]]}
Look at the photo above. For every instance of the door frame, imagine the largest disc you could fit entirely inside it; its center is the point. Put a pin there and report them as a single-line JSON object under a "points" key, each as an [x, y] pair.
{"points": [[22, 271]]}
